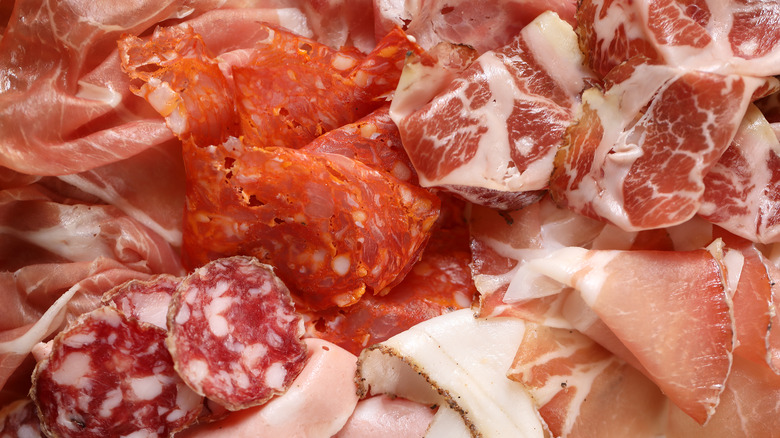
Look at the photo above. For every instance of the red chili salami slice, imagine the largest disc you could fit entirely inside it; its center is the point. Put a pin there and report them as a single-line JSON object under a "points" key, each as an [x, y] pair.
{"points": [[20, 420], [145, 300], [110, 375], [234, 334]]}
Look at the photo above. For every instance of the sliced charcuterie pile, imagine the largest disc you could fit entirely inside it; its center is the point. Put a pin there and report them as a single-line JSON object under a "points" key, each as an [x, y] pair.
{"points": [[373, 140], [145, 300], [742, 191], [294, 89], [734, 36], [581, 389], [20, 420], [639, 152], [109, 375], [234, 334], [440, 282], [493, 132], [331, 226]]}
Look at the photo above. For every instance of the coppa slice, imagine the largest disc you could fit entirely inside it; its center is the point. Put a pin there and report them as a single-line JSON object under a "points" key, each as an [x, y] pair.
{"points": [[491, 136], [233, 333], [109, 375]]}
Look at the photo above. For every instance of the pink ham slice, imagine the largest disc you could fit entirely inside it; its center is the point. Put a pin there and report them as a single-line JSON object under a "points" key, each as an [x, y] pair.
{"points": [[384, 417], [742, 192], [318, 403], [492, 134], [639, 152], [669, 308], [734, 36], [582, 390]]}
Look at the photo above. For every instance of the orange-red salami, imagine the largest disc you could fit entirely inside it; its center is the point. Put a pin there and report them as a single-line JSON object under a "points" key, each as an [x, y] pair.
{"points": [[234, 334]]}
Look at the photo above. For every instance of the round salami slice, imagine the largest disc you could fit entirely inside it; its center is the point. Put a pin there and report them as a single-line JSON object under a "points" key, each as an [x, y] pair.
{"points": [[234, 334], [110, 375]]}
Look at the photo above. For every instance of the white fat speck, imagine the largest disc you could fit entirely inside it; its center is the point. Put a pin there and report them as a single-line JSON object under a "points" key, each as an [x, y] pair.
{"points": [[213, 311], [183, 315], [340, 264], [146, 388], [73, 371], [174, 415], [197, 370], [252, 354], [79, 340], [275, 375], [113, 399], [219, 289], [140, 434]]}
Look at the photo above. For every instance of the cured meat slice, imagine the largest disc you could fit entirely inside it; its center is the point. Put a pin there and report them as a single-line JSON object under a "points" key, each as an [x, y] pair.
{"points": [[442, 361], [484, 25], [233, 333], [109, 375], [440, 282], [735, 36], [145, 300], [294, 89], [581, 390], [748, 407], [491, 136], [742, 191], [386, 417], [317, 404], [20, 420], [331, 226], [638, 154], [671, 309], [373, 140], [165, 70]]}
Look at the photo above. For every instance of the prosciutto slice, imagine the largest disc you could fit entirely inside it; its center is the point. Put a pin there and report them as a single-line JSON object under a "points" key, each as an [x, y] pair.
{"points": [[638, 154], [492, 134], [670, 309]]}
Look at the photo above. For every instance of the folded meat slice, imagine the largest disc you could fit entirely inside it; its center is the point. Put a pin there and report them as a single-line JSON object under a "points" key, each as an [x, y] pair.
{"points": [[387, 417], [333, 227], [317, 405], [734, 36], [638, 153], [484, 25], [581, 390], [492, 134], [671, 310], [742, 191]]}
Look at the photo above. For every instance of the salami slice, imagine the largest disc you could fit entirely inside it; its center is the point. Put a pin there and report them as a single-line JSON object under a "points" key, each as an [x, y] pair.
{"points": [[110, 375], [145, 300], [234, 334], [19, 420]]}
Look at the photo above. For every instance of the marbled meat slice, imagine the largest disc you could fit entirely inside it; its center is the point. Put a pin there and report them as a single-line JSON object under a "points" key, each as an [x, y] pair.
{"points": [[638, 153], [109, 375], [20, 420], [294, 89], [742, 191], [492, 134], [145, 300], [331, 226], [234, 334]]}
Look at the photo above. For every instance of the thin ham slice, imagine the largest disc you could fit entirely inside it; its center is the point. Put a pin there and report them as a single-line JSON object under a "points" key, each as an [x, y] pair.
{"points": [[387, 417], [670, 309], [492, 134]]}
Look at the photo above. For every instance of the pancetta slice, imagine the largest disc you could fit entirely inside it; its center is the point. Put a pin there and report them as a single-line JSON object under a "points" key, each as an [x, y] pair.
{"points": [[442, 361], [735, 36], [492, 134], [638, 154], [742, 191], [333, 227], [671, 309], [581, 390]]}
